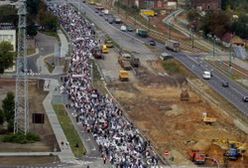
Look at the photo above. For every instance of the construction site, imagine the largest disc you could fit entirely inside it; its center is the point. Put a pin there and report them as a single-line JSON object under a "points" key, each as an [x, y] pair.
{"points": [[185, 126]]}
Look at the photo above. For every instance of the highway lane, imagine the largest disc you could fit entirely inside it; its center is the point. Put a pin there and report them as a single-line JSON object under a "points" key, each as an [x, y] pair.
{"points": [[233, 93]]}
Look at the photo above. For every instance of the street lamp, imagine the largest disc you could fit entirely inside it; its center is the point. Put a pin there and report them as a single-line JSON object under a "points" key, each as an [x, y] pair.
{"points": [[230, 60], [214, 38]]}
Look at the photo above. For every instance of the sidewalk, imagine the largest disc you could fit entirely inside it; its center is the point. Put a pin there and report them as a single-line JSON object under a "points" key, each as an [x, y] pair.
{"points": [[66, 155]]}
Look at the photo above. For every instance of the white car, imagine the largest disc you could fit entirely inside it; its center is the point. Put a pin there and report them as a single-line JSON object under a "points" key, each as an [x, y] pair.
{"points": [[123, 28], [206, 75]]}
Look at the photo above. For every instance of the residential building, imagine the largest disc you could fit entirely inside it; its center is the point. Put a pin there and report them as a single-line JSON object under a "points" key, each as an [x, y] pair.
{"points": [[8, 33], [205, 5]]}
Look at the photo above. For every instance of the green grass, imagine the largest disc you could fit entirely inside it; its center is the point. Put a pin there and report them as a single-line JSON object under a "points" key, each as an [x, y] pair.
{"points": [[172, 67], [69, 130]]}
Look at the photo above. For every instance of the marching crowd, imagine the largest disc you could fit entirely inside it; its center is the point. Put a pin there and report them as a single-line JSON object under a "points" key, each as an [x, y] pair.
{"points": [[119, 141]]}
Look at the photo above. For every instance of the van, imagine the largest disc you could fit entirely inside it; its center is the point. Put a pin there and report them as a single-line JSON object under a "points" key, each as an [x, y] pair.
{"points": [[164, 56], [123, 28], [206, 75]]}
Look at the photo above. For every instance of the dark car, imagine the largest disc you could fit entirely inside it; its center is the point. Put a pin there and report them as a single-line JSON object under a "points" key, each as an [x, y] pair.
{"points": [[245, 98], [130, 29], [111, 20], [152, 43], [225, 84]]}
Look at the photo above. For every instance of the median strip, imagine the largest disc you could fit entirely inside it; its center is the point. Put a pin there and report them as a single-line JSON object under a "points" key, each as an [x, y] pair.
{"points": [[69, 130]]}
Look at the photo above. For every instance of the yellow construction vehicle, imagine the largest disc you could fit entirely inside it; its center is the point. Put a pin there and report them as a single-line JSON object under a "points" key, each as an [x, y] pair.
{"points": [[148, 12], [206, 119], [123, 75], [105, 49], [109, 43], [224, 144]]}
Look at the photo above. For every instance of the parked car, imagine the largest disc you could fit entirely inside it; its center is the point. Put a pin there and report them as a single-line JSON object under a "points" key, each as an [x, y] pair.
{"points": [[130, 28], [245, 98], [117, 20], [123, 28], [110, 20]]}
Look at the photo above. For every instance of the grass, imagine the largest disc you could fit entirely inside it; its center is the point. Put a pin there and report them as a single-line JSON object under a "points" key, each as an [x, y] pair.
{"points": [[97, 80], [69, 130], [51, 33], [172, 67], [50, 63], [30, 51]]}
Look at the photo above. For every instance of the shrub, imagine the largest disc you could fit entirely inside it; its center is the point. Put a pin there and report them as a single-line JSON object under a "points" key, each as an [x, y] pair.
{"points": [[21, 138]]}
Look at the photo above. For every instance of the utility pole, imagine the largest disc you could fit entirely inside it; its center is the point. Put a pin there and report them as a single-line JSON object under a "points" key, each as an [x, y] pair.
{"points": [[21, 120], [230, 61]]}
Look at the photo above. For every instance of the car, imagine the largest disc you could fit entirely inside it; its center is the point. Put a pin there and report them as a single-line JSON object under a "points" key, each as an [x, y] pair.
{"points": [[118, 20], [225, 84], [123, 28], [100, 13], [206, 75], [245, 98], [111, 20], [152, 43], [130, 29], [164, 56]]}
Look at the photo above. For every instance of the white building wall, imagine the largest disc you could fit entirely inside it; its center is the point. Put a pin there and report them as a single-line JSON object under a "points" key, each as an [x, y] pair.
{"points": [[10, 36]]}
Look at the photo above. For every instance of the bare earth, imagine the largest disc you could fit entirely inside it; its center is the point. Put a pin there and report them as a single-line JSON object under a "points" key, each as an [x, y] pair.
{"points": [[154, 105]]}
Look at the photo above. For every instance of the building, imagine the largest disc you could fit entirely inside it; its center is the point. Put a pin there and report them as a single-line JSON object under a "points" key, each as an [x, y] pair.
{"points": [[205, 5], [8, 33], [149, 4]]}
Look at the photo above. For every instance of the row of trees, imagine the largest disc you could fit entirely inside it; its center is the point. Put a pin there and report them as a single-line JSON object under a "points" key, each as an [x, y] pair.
{"points": [[219, 23], [7, 113], [38, 16]]}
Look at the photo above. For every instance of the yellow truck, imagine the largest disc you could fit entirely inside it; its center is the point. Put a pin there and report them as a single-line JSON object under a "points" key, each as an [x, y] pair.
{"points": [[148, 12], [109, 43], [123, 75], [105, 49]]}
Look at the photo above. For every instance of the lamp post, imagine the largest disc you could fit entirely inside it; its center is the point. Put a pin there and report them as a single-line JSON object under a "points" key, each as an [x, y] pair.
{"points": [[230, 60], [213, 37]]}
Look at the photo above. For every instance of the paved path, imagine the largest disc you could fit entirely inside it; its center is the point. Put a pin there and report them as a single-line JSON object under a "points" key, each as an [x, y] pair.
{"points": [[64, 45], [66, 154]]}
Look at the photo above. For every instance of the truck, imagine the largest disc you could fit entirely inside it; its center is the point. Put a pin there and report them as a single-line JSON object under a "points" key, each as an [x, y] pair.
{"points": [[109, 43], [206, 119], [105, 49], [96, 52], [198, 157], [124, 62], [142, 33], [123, 75], [148, 12], [135, 62], [172, 45]]}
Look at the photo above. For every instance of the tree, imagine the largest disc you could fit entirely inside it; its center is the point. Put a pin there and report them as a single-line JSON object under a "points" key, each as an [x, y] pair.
{"points": [[216, 22], [240, 26], [32, 30], [6, 56], [49, 22], [8, 107], [8, 14], [1, 117], [33, 7]]}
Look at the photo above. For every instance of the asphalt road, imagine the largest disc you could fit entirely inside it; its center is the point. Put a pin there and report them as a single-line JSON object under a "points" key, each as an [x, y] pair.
{"points": [[129, 40], [45, 45]]}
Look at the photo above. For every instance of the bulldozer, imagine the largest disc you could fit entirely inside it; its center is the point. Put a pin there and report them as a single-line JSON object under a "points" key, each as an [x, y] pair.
{"points": [[123, 75], [184, 96]]}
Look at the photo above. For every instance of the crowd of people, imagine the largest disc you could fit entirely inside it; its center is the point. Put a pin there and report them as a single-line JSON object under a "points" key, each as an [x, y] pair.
{"points": [[119, 141]]}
